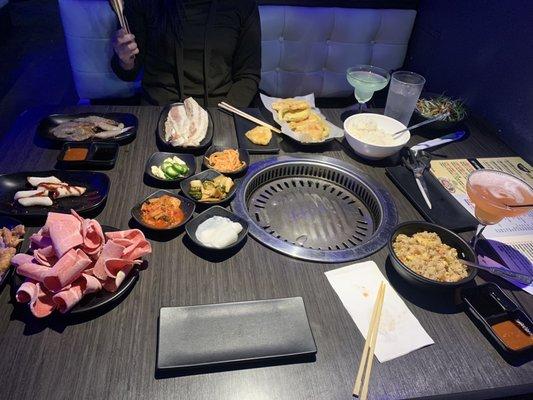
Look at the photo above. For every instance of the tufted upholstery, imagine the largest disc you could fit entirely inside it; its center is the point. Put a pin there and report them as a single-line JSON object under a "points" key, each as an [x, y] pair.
{"points": [[304, 49]]}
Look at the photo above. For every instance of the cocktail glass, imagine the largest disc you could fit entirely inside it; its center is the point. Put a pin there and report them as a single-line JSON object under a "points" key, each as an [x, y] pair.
{"points": [[497, 195], [366, 79]]}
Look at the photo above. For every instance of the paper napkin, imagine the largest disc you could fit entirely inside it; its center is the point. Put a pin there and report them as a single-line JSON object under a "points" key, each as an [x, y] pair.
{"points": [[399, 331]]}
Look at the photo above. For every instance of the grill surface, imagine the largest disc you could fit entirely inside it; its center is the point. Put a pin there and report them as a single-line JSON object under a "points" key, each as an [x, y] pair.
{"points": [[315, 208]]}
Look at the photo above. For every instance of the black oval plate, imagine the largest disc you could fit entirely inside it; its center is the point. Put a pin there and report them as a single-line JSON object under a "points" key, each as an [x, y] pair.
{"points": [[208, 174], [98, 300], [187, 206], [10, 223], [44, 129], [191, 227], [97, 185], [158, 158], [243, 156], [161, 131]]}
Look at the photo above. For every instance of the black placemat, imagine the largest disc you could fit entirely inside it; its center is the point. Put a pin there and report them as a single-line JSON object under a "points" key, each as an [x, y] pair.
{"points": [[243, 125], [446, 210], [215, 334]]}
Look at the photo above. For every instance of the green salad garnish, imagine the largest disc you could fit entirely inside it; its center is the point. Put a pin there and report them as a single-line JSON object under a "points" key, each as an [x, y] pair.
{"points": [[431, 108]]}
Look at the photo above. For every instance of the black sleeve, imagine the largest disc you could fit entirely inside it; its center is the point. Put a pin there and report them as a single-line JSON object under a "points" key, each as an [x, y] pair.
{"points": [[246, 68], [134, 13]]}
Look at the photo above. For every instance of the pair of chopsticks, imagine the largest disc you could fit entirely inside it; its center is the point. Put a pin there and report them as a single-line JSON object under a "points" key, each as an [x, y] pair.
{"points": [[118, 8], [230, 108], [360, 388]]}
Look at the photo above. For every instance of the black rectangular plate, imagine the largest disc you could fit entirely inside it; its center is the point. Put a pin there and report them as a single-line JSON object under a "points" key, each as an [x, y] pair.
{"points": [[100, 155], [47, 124], [97, 185], [443, 203], [243, 125], [215, 334]]}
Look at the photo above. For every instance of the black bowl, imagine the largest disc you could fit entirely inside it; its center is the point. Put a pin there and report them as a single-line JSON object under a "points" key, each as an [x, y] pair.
{"points": [[464, 251], [208, 174], [243, 156], [187, 207], [437, 125], [191, 227], [158, 158]]}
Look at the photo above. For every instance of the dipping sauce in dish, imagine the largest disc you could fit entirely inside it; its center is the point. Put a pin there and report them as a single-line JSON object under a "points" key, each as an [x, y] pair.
{"points": [[514, 333], [76, 154]]}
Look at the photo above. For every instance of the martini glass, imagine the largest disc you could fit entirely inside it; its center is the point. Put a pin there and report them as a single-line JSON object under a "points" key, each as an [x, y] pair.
{"points": [[366, 79], [497, 195]]}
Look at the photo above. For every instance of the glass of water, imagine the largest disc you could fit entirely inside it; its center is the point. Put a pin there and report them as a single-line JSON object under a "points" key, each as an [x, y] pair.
{"points": [[404, 90]]}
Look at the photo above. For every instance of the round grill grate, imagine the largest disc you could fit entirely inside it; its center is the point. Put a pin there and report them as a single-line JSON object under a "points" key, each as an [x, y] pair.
{"points": [[315, 208]]}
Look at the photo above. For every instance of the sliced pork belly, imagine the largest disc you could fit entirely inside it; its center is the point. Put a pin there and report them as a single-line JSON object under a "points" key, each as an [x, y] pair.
{"points": [[45, 256], [93, 237], [111, 250], [136, 245], [41, 303], [27, 291], [68, 298], [34, 271], [198, 122], [117, 270], [177, 126]]}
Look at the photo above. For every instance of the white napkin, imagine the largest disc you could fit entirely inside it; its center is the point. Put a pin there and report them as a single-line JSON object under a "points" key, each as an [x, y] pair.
{"points": [[399, 331], [334, 131]]}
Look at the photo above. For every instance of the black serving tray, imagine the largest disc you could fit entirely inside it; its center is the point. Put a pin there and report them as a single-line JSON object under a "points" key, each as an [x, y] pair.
{"points": [[226, 333], [486, 305], [187, 206], [444, 204], [158, 158], [192, 225], [97, 184], [44, 129], [243, 125], [100, 155], [161, 132], [208, 174]]}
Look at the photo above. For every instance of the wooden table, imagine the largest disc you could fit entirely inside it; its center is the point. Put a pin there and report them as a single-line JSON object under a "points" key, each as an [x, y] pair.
{"points": [[113, 356]]}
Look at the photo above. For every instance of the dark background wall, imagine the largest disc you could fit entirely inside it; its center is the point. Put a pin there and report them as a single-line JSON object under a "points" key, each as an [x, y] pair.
{"points": [[482, 52]]}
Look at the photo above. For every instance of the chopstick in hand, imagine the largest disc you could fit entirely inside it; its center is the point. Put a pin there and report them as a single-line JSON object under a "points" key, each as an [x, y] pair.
{"points": [[230, 108], [118, 8], [365, 366]]}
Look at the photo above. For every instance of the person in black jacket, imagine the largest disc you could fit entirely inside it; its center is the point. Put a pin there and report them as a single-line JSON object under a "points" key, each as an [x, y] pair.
{"points": [[206, 49]]}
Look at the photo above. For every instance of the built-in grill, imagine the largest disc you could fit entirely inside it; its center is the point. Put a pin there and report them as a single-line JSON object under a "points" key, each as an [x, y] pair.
{"points": [[315, 208]]}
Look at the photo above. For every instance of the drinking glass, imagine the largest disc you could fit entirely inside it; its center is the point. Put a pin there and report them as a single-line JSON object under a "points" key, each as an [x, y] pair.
{"points": [[404, 90], [497, 195], [366, 79]]}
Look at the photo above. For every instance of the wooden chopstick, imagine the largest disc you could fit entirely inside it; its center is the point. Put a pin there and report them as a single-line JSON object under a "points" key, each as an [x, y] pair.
{"points": [[365, 366], [230, 108]]}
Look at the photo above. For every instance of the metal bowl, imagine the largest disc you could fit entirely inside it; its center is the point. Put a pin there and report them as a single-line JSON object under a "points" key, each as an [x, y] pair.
{"points": [[448, 237]]}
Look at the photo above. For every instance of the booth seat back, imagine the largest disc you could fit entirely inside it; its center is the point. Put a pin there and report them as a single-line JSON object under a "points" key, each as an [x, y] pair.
{"points": [[304, 49]]}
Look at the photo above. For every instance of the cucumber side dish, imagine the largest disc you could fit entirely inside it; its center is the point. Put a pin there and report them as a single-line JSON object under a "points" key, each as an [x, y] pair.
{"points": [[172, 168]]}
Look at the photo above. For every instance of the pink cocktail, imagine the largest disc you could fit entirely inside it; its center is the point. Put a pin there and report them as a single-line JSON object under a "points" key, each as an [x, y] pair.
{"points": [[497, 195]]}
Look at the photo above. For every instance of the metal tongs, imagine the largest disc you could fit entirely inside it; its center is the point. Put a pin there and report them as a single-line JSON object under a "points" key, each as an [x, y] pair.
{"points": [[418, 162]]}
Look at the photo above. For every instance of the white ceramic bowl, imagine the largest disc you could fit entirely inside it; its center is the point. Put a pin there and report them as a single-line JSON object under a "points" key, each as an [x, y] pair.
{"points": [[374, 151]]}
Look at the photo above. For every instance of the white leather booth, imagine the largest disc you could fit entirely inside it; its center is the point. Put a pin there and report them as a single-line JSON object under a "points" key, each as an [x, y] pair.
{"points": [[304, 49]]}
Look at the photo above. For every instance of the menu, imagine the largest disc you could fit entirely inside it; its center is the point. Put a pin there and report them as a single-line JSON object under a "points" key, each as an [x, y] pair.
{"points": [[511, 238]]}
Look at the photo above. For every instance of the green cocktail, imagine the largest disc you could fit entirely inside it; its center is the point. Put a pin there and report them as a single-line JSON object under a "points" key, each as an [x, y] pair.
{"points": [[366, 79]]}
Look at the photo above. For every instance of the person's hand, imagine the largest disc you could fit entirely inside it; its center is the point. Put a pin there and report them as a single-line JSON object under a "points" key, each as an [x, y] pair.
{"points": [[126, 48]]}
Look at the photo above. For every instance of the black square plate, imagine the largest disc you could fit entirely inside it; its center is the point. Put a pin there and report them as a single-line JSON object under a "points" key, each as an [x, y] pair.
{"points": [[47, 124], [158, 158], [97, 185], [243, 156], [192, 225], [208, 174], [217, 334], [187, 206], [161, 132], [100, 155], [243, 125]]}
